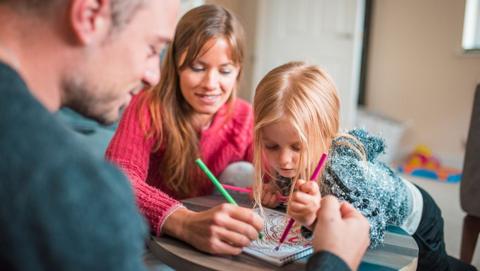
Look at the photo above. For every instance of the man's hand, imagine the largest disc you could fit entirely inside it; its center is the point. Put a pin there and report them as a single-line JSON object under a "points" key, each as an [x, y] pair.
{"points": [[222, 230], [341, 230]]}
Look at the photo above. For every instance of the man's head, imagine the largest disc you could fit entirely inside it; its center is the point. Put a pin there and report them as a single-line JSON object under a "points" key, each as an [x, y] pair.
{"points": [[122, 10], [110, 49]]}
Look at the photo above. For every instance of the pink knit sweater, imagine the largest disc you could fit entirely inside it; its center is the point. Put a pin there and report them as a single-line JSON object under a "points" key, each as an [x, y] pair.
{"points": [[220, 145]]}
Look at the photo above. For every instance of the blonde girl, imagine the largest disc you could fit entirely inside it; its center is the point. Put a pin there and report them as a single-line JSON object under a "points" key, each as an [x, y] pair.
{"points": [[296, 111], [296, 117]]}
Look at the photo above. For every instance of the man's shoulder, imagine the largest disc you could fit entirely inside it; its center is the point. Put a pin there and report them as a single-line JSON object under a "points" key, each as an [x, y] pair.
{"points": [[71, 207], [34, 144]]}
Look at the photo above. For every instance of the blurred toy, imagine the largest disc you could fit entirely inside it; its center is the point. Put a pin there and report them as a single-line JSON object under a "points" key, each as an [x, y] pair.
{"points": [[422, 163]]}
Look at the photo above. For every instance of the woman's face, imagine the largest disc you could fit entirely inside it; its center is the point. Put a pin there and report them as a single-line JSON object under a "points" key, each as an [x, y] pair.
{"points": [[209, 81]]}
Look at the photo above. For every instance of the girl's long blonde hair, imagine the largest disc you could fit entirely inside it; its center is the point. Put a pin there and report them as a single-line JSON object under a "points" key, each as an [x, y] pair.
{"points": [[171, 114], [306, 96]]}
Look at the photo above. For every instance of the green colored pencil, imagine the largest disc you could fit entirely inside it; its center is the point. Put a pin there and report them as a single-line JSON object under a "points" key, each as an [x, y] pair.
{"points": [[215, 182], [219, 186]]}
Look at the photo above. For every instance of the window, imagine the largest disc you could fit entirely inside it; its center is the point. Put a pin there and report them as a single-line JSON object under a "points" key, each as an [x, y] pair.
{"points": [[471, 26]]}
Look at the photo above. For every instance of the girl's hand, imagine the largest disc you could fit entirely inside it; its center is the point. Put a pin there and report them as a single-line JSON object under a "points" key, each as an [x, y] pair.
{"points": [[305, 202], [270, 195]]}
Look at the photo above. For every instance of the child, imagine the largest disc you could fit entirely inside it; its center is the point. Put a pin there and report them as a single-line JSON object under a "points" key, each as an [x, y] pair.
{"points": [[296, 115]]}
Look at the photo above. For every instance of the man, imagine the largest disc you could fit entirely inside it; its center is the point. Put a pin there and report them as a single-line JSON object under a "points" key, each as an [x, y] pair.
{"points": [[63, 208]]}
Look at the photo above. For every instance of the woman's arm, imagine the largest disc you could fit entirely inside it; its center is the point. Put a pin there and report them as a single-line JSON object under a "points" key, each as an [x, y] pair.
{"points": [[130, 149]]}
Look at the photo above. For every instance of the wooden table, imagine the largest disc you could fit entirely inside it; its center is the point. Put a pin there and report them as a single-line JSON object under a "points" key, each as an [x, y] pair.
{"points": [[399, 251]]}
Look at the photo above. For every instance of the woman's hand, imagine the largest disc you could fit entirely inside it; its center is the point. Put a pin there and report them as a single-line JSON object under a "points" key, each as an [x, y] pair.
{"points": [[222, 230], [305, 202]]}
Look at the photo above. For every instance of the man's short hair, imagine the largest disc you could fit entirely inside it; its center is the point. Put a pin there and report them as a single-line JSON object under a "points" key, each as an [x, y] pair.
{"points": [[122, 10]]}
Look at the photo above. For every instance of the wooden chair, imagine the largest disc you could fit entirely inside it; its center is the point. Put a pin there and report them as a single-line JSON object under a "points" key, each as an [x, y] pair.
{"points": [[470, 185]]}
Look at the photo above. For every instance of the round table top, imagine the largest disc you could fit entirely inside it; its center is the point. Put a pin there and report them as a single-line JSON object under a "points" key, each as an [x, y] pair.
{"points": [[399, 251], [182, 256]]}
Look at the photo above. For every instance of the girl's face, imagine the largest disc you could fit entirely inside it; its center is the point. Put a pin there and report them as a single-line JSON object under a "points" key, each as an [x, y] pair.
{"points": [[209, 81], [282, 147]]}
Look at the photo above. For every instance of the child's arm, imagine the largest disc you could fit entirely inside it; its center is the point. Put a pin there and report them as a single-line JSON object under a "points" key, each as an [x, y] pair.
{"points": [[305, 202], [354, 174]]}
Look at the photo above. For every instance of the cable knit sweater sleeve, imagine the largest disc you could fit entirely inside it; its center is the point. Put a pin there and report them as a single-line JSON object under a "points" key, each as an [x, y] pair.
{"points": [[130, 149]]}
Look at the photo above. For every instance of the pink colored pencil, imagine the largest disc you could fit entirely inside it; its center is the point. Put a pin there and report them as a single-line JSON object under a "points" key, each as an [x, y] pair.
{"points": [[291, 220], [236, 188], [247, 190]]}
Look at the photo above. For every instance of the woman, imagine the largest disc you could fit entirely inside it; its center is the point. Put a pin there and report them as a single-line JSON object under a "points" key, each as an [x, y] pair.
{"points": [[193, 112]]}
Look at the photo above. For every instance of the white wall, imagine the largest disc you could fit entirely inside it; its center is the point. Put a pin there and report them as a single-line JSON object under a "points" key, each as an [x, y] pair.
{"points": [[323, 32], [246, 11], [417, 73]]}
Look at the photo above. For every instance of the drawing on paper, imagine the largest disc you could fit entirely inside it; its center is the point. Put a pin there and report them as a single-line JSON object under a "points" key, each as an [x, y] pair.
{"points": [[275, 223]]}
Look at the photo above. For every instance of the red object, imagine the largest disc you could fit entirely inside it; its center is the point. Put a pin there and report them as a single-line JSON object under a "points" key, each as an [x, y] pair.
{"points": [[248, 190], [224, 142], [236, 188]]}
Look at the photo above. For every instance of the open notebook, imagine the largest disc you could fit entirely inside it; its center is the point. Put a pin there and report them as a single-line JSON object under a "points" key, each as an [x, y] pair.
{"points": [[294, 247]]}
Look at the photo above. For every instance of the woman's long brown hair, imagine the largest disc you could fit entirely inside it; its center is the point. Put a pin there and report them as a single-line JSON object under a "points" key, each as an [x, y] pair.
{"points": [[171, 114]]}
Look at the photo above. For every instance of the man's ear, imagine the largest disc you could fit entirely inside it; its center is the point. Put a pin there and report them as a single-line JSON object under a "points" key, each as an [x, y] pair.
{"points": [[90, 20]]}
